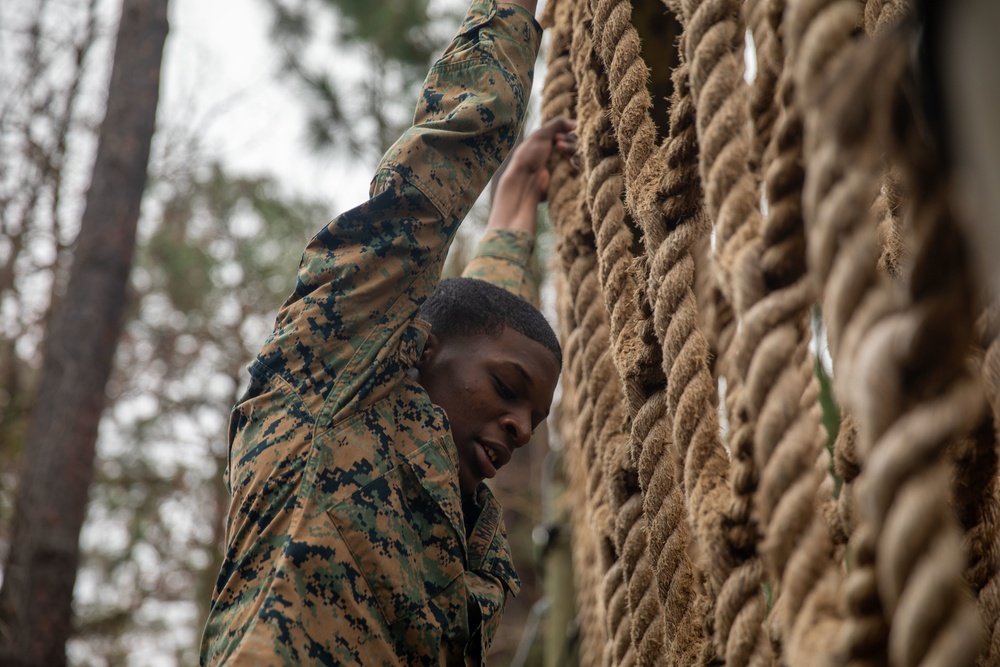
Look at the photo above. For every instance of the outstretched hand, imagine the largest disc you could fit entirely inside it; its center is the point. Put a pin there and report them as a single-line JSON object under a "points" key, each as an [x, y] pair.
{"points": [[525, 182], [530, 160]]}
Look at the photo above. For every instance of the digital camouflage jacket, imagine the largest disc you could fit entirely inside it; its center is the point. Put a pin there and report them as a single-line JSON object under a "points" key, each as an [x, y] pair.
{"points": [[345, 541], [502, 258]]}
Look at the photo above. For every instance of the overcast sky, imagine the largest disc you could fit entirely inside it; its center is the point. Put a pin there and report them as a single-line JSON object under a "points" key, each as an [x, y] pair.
{"points": [[221, 71]]}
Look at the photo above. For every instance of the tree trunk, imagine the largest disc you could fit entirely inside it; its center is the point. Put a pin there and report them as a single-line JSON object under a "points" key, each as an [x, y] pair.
{"points": [[35, 601]]}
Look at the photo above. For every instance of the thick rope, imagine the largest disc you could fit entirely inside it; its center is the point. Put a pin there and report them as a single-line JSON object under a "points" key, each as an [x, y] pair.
{"points": [[904, 599], [763, 18], [590, 516], [607, 421], [821, 31], [692, 461], [596, 514], [619, 50], [603, 177], [581, 348], [880, 14], [647, 636], [603, 391], [780, 391], [636, 351], [904, 592], [714, 49], [620, 650], [575, 493], [977, 492]]}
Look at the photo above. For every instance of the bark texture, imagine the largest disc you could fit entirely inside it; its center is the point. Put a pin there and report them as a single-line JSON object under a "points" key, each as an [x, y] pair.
{"points": [[37, 593]]}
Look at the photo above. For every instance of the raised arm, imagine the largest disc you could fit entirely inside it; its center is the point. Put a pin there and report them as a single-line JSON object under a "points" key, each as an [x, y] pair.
{"points": [[363, 277], [503, 255]]}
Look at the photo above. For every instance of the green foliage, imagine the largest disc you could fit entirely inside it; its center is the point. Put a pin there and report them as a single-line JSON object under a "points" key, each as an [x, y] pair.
{"points": [[187, 269], [396, 30], [827, 400], [396, 40]]}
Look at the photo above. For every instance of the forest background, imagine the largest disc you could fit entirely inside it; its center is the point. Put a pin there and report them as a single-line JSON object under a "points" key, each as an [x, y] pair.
{"points": [[271, 118]]}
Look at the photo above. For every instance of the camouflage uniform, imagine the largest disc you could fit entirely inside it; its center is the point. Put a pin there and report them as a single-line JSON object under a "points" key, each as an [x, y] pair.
{"points": [[346, 540], [502, 259]]}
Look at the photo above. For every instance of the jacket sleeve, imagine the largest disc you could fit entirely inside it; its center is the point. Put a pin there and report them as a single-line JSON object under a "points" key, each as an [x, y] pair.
{"points": [[503, 259], [363, 277]]}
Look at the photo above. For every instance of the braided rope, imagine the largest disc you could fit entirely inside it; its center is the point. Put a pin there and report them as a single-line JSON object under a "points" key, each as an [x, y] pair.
{"points": [[619, 51], [647, 636], [620, 650], [575, 469], [880, 14], [588, 511], [608, 419], [903, 599], [820, 32], [603, 176], [904, 594], [978, 493], [692, 460], [763, 18], [636, 353], [595, 514], [780, 391], [714, 49], [581, 346]]}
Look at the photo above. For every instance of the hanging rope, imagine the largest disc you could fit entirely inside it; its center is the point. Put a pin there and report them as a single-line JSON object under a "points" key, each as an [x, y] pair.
{"points": [[977, 494], [880, 14], [906, 539], [619, 650], [820, 184], [636, 354], [763, 18], [687, 468], [714, 47], [821, 31], [780, 393], [582, 339]]}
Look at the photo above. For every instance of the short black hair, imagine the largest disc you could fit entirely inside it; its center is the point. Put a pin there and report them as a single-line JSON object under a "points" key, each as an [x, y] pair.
{"points": [[469, 307]]}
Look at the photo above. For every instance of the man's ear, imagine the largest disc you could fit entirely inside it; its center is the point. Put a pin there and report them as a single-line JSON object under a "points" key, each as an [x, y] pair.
{"points": [[431, 347]]}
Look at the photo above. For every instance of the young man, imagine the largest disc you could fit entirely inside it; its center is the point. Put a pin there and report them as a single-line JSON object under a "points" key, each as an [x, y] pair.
{"points": [[359, 531]]}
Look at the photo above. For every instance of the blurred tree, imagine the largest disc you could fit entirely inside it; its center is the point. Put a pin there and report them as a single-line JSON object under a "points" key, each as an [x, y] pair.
{"points": [[39, 577], [216, 260], [363, 107], [45, 67]]}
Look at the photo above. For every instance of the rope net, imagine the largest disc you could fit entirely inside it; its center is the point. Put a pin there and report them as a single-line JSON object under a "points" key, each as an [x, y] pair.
{"points": [[781, 379]]}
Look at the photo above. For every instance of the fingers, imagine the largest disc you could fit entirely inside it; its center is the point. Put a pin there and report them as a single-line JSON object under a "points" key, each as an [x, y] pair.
{"points": [[575, 164], [534, 152], [559, 133], [565, 143], [556, 126]]}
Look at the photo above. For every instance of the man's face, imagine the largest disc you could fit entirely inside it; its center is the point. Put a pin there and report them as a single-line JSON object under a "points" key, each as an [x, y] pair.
{"points": [[495, 391]]}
